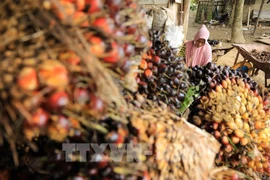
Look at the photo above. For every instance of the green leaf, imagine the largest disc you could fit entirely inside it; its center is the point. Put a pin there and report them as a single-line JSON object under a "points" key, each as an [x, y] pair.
{"points": [[232, 144], [192, 92]]}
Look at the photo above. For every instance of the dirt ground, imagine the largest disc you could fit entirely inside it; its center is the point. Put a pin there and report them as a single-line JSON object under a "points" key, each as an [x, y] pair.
{"points": [[223, 34]]}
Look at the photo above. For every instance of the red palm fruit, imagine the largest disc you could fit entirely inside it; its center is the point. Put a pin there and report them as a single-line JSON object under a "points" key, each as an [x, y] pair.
{"points": [[81, 95], [80, 4], [125, 65], [150, 65], [105, 24], [119, 32], [58, 100], [96, 104], [143, 64], [97, 46], [224, 84], [148, 73], [142, 39], [115, 54], [215, 125], [39, 118], [146, 176], [63, 123], [266, 102], [149, 44], [267, 170], [68, 9], [151, 52], [81, 19], [156, 59], [131, 29], [93, 172], [95, 5], [235, 177], [217, 134], [102, 160], [228, 148], [70, 57], [137, 79], [225, 140], [115, 137], [53, 73], [131, 4], [122, 130], [27, 79], [114, 5], [129, 50], [155, 69]]}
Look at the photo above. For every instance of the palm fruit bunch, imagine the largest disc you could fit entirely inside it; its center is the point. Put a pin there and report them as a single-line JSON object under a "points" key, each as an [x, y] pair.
{"points": [[51, 160], [173, 144], [171, 151], [234, 109], [63, 64], [163, 76]]}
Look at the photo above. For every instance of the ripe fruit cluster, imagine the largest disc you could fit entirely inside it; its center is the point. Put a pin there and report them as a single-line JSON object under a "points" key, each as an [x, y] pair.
{"points": [[44, 81], [116, 31], [164, 76], [238, 116], [49, 89]]}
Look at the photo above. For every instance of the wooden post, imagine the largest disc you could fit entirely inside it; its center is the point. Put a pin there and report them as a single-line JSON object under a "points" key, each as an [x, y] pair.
{"points": [[175, 6], [248, 13], [198, 12], [257, 21], [186, 17]]}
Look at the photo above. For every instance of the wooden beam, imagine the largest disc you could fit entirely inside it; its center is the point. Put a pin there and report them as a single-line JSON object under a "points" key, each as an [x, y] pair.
{"points": [[186, 17]]}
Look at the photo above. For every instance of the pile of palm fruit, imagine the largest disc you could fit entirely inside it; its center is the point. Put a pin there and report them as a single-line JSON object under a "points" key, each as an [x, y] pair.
{"points": [[65, 64], [235, 110], [163, 76], [54, 59], [263, 56]]}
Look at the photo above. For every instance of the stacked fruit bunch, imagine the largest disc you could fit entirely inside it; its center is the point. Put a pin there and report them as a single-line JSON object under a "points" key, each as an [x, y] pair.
{"points": [[162, 145], [171, 140], [164, 76], [237, 115], [263, 56], [62, 161], [213, 74]]}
